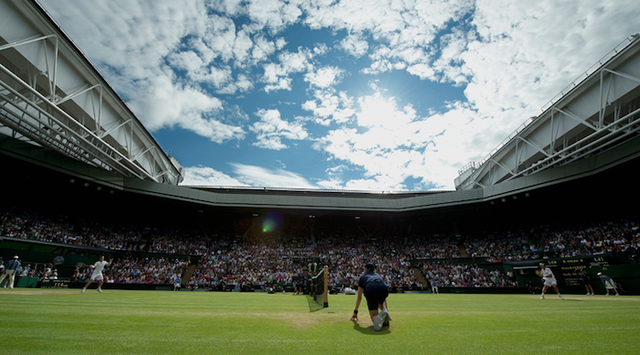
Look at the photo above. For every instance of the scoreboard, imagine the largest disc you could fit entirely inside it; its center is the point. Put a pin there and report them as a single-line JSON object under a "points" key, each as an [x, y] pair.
{"points": [[567, 271], [570, 269], [59, 283]]}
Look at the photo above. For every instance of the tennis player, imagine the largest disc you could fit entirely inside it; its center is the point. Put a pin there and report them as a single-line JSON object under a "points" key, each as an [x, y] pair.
{"points": [[97, 273], [609, 284], [376, 292], [549, 280]]}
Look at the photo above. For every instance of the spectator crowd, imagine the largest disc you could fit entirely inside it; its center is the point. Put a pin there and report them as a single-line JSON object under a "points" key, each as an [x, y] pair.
{"points": [[255, 258]]}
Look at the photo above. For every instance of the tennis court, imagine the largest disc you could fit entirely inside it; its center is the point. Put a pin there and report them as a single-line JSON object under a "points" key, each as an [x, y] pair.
{"points": [[37, 321]]}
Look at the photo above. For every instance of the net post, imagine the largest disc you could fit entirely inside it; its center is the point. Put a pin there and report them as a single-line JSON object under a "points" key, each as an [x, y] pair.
{"points": [[326, 286]]}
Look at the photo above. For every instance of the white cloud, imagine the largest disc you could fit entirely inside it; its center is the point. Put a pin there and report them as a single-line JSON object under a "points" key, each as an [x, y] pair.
{"points": [[163, 104], [377, 112], [271, 130], [330, 107], [295, 62], [422, 70], [114, 33], [166, 105], [216, 40], [449, 64], [219, 77], [331, 184], [277, 75], [393, 143], [323, 77], [187, 60], [279, 83], [242, 46], [333, 180], [273, 15], [244, 175], [230, 7], [262, 49], [129, 42], [259, 176], [510, 58], [242, 84], [354, 45], [201, 175], [405, 32], [523, 59]]}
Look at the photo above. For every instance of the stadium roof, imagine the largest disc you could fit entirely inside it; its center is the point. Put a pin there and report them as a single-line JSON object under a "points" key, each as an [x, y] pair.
{"points": [[75, 142], [52, 96], [311, 200], [597, 111]]}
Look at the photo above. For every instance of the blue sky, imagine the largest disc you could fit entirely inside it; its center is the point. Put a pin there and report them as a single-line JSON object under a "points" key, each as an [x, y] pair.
{"points": [[357, 95]]}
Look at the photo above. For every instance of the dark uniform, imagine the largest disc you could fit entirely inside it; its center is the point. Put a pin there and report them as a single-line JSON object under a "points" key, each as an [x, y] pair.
{"points": [[375, 291]]}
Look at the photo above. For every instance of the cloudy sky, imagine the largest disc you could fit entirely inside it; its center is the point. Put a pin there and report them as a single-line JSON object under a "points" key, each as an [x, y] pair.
{"points": [[356, 95]]}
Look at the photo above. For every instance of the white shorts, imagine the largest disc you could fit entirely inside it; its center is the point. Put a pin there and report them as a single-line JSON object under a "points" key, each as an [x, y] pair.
{"points": [[550, 282], [97, 277], [609, 284]]}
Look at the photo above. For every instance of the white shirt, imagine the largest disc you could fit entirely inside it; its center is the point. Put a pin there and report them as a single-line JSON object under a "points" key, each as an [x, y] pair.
{"points": [[547, 273], [99, 266]]}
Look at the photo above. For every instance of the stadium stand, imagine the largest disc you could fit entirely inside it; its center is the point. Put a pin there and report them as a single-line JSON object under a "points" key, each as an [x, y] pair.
{"points": [[249, 262], [569, 200]]}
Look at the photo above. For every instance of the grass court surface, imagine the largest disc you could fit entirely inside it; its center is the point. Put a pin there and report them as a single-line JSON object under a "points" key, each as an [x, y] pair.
{"points": [[40, 321]]}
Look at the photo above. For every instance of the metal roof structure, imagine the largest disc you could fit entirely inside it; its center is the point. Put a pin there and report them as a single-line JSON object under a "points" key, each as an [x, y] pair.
{"points": [[598, 111], [51, 96], [58, 112]]}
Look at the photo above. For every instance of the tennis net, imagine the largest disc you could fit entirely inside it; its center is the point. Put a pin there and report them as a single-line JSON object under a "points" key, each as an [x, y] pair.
{"points": [[319, 288]]}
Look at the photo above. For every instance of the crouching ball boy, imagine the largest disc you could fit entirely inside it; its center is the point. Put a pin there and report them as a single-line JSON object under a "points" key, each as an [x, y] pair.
{"points": [[376, 292]]}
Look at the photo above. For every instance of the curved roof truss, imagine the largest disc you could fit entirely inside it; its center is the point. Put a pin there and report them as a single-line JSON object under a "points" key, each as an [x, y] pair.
{"points": [[51, 96], [598, 111]]}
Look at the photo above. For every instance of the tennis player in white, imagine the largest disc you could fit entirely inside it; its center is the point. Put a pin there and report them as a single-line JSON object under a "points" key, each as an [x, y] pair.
{"points": [[549, 280], [97, 273]]}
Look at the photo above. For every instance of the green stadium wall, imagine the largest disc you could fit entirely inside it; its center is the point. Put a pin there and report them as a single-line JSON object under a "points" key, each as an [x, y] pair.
{"points": [[622, 267]]}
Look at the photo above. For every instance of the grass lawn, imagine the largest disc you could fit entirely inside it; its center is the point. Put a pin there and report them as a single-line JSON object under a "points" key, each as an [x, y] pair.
{"points": [[38, 321]]}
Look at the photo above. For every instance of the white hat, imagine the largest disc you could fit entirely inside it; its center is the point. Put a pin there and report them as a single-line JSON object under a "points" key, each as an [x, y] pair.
{"points": [[599, 273], [16, 257]]}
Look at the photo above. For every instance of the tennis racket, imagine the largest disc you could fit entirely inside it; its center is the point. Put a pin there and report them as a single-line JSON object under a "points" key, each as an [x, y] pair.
{"points": [[81, 264]]}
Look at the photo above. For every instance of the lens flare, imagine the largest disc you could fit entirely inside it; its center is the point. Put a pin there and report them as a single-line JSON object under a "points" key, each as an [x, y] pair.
{"points": [[272, 221]]}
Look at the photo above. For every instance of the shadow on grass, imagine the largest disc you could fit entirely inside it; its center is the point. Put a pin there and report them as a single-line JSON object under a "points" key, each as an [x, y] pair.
{"points": [[369, 330], [313, 305]]}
